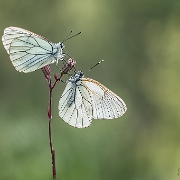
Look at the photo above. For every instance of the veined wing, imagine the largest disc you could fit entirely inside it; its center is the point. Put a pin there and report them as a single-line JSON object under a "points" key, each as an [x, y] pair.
{"points": [[29, 51], [75, 105], [106, 104]]}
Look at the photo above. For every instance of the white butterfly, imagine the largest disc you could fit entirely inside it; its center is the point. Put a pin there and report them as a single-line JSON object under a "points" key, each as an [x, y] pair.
{"points": [[85, 99], [29, 51]]}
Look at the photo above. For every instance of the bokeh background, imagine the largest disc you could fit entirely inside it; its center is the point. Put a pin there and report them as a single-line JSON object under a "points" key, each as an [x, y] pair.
{"points": [[139, 41]]}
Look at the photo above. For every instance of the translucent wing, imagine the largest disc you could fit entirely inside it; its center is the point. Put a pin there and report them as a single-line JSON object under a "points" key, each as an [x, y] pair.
{"points": [[84, 99], [29, 51], [75, 105], [106, 104]]}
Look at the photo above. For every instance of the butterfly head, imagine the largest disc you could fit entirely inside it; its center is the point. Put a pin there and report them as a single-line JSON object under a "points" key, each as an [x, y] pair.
{"points": [[77, 77], [80, 74], [60, 46]]}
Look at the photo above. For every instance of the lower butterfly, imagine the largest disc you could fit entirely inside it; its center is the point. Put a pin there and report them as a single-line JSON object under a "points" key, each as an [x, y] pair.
{"points": [[85, 99], [29, 51]]}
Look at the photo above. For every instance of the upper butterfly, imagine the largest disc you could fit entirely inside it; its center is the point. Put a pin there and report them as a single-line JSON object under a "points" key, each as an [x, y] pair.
{"points": [[84, 99], [29, 51]]}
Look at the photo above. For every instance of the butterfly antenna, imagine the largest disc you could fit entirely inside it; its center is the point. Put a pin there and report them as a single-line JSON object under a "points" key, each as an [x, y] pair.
{"points": [[67, 37], [96, 65]]}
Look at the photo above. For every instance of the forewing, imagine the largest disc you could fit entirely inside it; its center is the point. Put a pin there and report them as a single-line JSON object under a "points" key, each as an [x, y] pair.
{"points": [[28, 51], [106, 104], [75, 105]]}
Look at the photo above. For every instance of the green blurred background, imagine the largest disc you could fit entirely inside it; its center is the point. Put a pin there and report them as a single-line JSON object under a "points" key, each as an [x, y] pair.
{"points": [[139, 41]]}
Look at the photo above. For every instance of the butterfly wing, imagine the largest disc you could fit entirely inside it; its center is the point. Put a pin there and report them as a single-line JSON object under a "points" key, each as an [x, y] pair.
{"points": [[106, 104], [28, 51], [75, 105]]}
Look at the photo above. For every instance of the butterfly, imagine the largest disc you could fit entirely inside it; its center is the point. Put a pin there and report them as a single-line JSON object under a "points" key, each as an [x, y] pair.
{"points": [[29, 51], [85, 99]]}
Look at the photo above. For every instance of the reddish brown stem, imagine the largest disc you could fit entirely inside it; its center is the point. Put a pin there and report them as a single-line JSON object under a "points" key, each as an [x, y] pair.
{"points": [[51, 87], [50, 136], [47, 71]]}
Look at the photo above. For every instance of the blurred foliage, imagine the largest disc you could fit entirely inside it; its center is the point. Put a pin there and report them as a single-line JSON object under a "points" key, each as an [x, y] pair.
{"points": [[139, 41]]}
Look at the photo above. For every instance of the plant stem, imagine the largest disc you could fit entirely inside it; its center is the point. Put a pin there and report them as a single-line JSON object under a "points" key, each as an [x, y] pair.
{"points": [[50, 135], [70, 64], [51, 87]]}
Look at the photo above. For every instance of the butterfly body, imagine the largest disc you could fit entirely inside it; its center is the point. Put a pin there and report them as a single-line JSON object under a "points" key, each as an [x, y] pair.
{"points": [[57, 52], [85, 99], [29, 51]]}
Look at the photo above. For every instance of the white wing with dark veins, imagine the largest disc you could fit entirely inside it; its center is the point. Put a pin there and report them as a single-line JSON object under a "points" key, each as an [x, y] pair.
{"points": [[75, 105], [29, 51], [106, 104]]}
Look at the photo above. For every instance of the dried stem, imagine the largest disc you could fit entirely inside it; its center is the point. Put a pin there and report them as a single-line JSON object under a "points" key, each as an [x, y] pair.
{"points": [[51, 87], [46, 71]]}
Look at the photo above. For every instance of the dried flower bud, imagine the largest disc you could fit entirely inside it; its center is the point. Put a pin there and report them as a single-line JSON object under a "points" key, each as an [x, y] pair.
{"points": [[55, 77], [46, 71], [68, 66]]}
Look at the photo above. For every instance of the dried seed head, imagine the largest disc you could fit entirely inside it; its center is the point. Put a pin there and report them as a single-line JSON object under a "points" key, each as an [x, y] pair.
{"points": [[46, 71], [68, 66]]}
